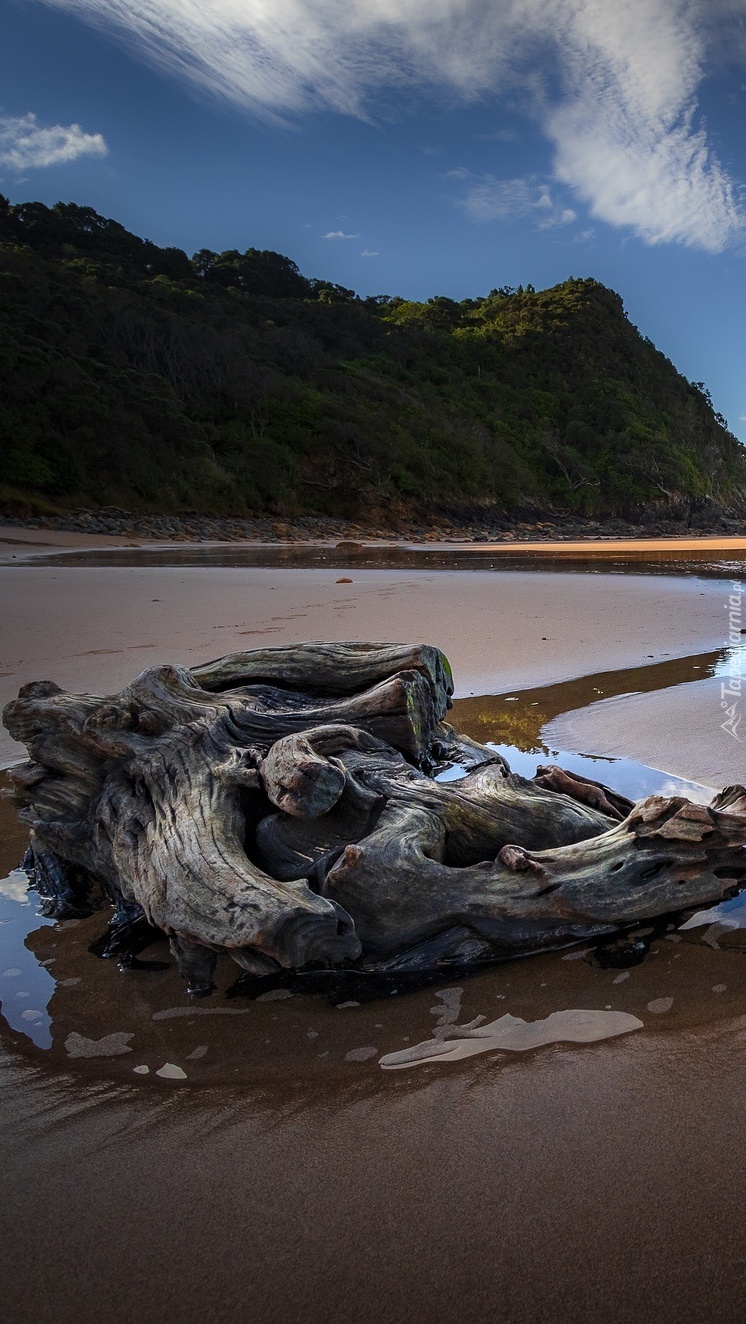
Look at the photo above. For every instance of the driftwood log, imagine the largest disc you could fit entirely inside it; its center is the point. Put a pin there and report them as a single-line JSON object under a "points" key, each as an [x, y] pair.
{"points": [[283, 805]]}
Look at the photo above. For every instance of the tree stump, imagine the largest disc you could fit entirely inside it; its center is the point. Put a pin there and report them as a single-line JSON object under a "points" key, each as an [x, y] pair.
{"points": [[283, 805]]}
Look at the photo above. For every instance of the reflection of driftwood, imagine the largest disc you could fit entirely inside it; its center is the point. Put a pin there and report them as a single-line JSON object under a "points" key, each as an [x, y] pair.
{"points": [[282, 805]]}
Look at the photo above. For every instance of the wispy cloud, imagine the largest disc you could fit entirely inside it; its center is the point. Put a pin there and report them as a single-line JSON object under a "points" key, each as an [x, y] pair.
{"points": [[27, 145], [339, 234], [626, 135], [493, 199], [613, 86], [499, 136], [370, 252]]}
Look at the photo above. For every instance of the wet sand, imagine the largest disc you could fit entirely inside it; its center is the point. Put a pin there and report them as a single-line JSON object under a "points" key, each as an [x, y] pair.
{"points": [[597, 1182], [285, 1175], [679, 729], [95, 628]]}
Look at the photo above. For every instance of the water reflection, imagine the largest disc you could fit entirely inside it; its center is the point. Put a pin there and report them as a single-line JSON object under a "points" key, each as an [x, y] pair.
{"points": [[661, 560], [517, 718], [26, 986], [635, 780]]}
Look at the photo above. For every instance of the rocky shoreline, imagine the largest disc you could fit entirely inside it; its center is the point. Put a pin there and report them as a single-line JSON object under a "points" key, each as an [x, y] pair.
{"points": [[314, 528]]}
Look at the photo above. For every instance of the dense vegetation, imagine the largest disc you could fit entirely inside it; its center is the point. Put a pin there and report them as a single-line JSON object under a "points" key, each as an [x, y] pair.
{"points": [[134, 375]]}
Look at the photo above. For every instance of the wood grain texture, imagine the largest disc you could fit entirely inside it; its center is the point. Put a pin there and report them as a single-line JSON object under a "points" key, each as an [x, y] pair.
{"points": [[282, 805]]}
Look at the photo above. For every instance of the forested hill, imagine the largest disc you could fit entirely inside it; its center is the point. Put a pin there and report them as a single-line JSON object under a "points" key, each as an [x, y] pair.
{"points": [[134, 375]]}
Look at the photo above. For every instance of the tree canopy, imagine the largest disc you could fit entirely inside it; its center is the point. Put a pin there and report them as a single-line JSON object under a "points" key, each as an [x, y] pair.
{"points": [[230, 382]]}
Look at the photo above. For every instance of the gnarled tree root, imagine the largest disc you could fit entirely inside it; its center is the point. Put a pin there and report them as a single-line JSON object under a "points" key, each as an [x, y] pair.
{"points": [[282, 805]]}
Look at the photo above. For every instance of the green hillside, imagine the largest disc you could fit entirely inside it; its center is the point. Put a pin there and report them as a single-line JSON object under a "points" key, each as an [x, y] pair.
{"points": [[133, 375]]}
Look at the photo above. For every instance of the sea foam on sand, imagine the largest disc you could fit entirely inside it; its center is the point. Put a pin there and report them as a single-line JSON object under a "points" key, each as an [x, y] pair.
{"points": [[512, 1034]]}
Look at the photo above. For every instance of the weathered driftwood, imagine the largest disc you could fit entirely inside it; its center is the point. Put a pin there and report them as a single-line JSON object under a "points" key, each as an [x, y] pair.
{"points": [[282, 805]]}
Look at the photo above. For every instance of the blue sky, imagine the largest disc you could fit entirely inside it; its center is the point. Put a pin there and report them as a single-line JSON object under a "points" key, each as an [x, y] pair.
{"points": [[412, 147]]}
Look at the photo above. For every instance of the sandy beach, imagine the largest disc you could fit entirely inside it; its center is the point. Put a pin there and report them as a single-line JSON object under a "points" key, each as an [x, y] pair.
{"points": [[284, 1174], [94, 628]]}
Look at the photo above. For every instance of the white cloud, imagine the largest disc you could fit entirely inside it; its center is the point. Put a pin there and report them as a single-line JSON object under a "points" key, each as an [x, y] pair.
{"points": [[613, 85], [370, 252], [494, 199], [339, 234], [626, 136], [27, 145]]}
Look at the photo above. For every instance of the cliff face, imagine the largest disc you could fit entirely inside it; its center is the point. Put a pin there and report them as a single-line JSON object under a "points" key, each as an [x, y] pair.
{"points": [[134, 375]]}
